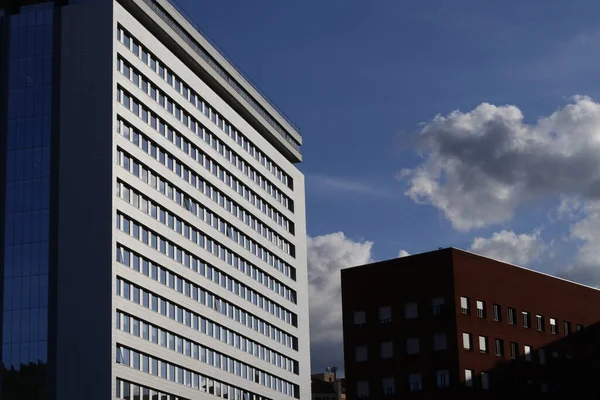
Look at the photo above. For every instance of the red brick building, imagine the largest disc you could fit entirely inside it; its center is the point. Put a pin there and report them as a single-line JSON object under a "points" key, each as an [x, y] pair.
{"points": [[450, 321]]}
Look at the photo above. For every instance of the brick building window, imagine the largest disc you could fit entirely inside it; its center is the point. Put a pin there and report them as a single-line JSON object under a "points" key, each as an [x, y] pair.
{"points": [[579, 327], [415, 383], [467, 341], [497, 311], [527, 352], [542, 356], [499, 347], [485, 380], [481, 309], [411, 310], [465, 306], [483, 344], [526, 319], [437, 305], [385, 314], [553, 327], [469, 377], [540, 323], [514, 350], [512, 316], [567, 328]]}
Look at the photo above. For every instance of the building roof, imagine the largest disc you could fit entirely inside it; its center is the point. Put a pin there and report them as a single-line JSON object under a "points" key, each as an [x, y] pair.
{"points": [[455, 249]]}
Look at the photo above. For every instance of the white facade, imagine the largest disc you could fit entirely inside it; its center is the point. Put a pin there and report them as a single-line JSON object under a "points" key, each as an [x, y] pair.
{"points": [[208, 238]]}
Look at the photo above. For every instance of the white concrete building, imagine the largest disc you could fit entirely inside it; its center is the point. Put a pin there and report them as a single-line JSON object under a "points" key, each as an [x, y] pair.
{"points": [[177, 237]]}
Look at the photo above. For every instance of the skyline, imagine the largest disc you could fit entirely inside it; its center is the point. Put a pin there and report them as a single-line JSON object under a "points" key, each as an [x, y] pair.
{"points": [[365, 83]]}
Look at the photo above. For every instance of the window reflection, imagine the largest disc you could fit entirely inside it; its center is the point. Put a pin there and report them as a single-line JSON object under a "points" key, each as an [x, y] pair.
{"points": [[26, 213]]}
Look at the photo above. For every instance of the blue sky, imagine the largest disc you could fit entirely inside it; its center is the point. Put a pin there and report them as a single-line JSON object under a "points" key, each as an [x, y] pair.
{"points": [[364, 81]]}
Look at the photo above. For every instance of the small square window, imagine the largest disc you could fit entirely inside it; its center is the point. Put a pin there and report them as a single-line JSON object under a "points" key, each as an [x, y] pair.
{"points": [[388, 385], [440, 342], [527, 352], [465, 306], [411, 310], [360, 318], [412, 345], [387, 350], [360, 354], [469, 377], [415, 383], [481, 309], [362, 389], [437, 305], [385, 314], [443, 378]]}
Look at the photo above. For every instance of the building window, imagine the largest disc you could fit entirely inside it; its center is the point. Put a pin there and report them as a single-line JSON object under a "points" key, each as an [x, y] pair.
{"points": [[362, 389], [465, 306], [385, 314], [411, 310], [438, 305], [467, 341], [483, 344], [389, 386], [512, 316], [360, 354], [514, 350], [540, 323], [499, 347], [527, 352], [387, 350], [469, 377], [443, 378], [526, 319], [497, 310], [481, 309], [579, 327], [360, 318], [485, 380], [414, 382], [440, 342], [567, 328], [553, 326], [412, 345], [542, 356]]}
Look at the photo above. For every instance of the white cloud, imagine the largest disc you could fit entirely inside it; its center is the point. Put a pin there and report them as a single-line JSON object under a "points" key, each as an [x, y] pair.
{"points": [[327, 255], [586, 265], [481, 165], [403, 253], [509, 247]]}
